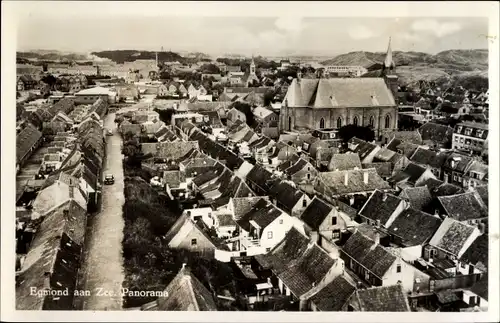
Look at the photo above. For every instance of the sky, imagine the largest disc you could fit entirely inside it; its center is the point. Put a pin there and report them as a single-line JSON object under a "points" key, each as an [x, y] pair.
{"points": [[258, 35]]}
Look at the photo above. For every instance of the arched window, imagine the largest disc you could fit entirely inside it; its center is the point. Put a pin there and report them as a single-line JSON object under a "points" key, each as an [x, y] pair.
{"points": [[339, 123], [355, 121], [289, 123], [387, 121], [372, 122], [322, 123]]}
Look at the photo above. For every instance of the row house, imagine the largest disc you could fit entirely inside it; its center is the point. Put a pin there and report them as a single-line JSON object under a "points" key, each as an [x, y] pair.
{"points": [[430, 159], [470, 137], [455, 168], [412, 175], [27, 141]]}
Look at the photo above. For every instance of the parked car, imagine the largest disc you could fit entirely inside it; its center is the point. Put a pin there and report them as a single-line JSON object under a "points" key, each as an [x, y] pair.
{"points": [[109, 179]]}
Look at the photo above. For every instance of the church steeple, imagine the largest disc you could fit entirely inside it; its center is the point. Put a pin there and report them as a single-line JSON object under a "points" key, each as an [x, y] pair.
{"points": [[252, 66], [389, 65]]}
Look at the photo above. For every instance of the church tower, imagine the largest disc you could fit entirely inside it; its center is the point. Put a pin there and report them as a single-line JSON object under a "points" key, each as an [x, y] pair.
{"points": [[252, 67], [389, 72]]}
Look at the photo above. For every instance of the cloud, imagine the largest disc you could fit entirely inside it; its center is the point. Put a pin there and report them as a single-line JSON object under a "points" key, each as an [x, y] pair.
{"points": [[360, 32], [433, 26], [289, 23]]}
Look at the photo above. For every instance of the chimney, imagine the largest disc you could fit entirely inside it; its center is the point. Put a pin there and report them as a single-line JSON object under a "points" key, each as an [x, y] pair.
{"points": [[269, 280], [365, 177], [378, 223], [346, 178], [384, 197], [482, 228], [376, 240]]}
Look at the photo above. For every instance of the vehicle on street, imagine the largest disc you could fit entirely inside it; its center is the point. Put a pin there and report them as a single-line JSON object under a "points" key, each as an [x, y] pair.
{"points": [[109, 179]]}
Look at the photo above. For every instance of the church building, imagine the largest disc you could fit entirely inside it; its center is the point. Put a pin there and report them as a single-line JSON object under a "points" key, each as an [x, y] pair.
{"points": [[312, 104]]}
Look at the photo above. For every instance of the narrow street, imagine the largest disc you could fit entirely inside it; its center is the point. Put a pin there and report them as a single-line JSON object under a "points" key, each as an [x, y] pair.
{"points": [[102, 264]]}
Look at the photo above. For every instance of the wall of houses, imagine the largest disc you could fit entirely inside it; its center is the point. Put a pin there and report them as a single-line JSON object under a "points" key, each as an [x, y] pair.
{"points": [[276, 231], [301, 205], [455, 282], [412, 253], [405, 276]]}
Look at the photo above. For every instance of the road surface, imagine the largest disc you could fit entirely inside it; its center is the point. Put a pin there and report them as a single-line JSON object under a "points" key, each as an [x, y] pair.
{"points": [[102, 265]]}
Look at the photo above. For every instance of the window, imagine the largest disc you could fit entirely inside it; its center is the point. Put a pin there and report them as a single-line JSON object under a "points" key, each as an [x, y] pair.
{"points": [[281, 221], [322, 123], [398, 268], [289, 123], [339, 122], [387, 121], [372, 121], [270, 235], [367, 276], [335, 234], [334, 220], [193, 242], [308, 176], [304, 203], [355, 121], [268, 249]]}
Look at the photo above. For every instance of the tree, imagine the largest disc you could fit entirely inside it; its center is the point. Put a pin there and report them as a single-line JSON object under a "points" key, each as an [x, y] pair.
{"points": [[209, 69], [50, 80], [247, 110], [349, 131], [269, 97]]}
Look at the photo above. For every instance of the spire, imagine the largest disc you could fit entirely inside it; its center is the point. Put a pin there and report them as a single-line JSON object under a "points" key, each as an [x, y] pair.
{"points": [[388, 62]]}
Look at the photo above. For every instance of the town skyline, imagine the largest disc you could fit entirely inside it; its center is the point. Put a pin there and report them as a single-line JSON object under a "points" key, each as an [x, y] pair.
{"points": [[266, 36]]}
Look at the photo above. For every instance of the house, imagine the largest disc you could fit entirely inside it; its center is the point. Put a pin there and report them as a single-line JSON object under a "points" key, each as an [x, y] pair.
{"points": [[280, 153], [476, 256], [411, 231], [436, 135], [53, 260], [419, 197], [265, 116], [412, 175], [467, 207], [430, 159], [298, 266], [334, 297], [89, 96], [343, 162], [455, 169], [384, 169], [264, 226], [27, 141], [190, 235], [390, 298], [376, 264], [382, 209], [477, 295], [476, 175], [349, 182], [398, 161], [287, 197], [259, 180], [323, 221], [184, 293], [451, 240], [301, 172], [470, 137], [365, 150], [27, 82], [402, 147], [234, 115]]}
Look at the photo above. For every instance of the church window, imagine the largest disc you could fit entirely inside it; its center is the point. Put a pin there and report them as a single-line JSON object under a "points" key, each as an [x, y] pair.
{"points": [[387, 121], [322, 123], [339, 122], [372, 121], [355, 121], [289, 123]]}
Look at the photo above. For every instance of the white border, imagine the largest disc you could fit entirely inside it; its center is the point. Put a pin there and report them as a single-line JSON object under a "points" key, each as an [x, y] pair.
{"points": [[12, 11]]}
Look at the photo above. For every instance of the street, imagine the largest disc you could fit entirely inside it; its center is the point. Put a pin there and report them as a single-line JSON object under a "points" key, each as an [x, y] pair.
{"points": [[102, 264]]}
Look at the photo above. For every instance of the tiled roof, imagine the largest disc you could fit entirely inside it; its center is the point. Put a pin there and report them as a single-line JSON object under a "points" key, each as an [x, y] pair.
{"points": [[291, 161], [213, 117], [260, 176], [409, 136], [225, 219], [186, 293], [452, 236], [411, 173], [477, 253], [361, 147], [315, 213], [174, 150], [355, 184], [286, 194], [458, 162], [464, 207], [263, 213], [384, 169], [414, 227], [344, 162], [480, 288], [483, 193], [215, 150], [243, 205], [173, 178], [380, 206], [333, 296], [419, 197], [299, 264], [436, 132], [56, 250], [446, 189], [297, 167], [208, 176], [384, 154], [339, 93], [428, 157], [65, 105], [25, 140], [406, 148], [370, 255], [383, 299]]}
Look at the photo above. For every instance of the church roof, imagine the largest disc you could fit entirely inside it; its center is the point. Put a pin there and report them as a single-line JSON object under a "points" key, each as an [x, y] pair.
{"points": [[339, 93]]}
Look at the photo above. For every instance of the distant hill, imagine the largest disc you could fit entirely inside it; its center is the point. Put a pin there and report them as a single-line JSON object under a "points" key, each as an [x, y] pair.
{"points": [[51, 55], [122, 56], [414, 66]]}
